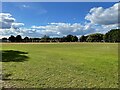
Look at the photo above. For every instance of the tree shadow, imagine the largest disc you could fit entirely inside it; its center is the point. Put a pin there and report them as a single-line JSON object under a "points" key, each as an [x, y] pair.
{"points": [[14, 56], [6, 77]]}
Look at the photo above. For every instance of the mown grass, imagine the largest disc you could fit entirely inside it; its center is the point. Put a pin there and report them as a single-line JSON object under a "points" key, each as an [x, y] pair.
{"points": [[79, 65]]}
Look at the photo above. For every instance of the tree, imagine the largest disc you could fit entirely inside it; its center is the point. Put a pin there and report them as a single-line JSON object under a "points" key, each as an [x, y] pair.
{"points": [[36, 39], [26, 39], [74, 39], [70, 38], [83, 38], [45, 38], [11, 38], [112, 36], [63, 39], [18, 38], [90, 39], [4, 39], [97, 37]]}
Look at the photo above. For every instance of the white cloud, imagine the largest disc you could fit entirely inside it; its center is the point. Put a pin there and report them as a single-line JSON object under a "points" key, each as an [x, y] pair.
{"points": [[25, 6], [17, 25], [8, 25], [60, 29], [99, 15], [6, 20]]}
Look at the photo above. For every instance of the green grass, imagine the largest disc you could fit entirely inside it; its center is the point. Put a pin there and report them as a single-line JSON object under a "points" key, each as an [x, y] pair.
{"points": [[76, 65]]}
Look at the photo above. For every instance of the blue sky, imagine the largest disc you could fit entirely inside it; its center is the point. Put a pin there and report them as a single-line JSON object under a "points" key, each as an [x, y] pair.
{"points": [[40, 14], [44, 13]]}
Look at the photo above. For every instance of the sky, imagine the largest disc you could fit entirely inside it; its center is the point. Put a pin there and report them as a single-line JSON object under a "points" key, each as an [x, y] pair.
{"points": [[57, 19]]}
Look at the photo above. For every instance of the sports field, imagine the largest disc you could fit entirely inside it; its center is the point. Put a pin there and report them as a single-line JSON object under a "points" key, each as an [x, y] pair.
{"points": [[60, 65]]}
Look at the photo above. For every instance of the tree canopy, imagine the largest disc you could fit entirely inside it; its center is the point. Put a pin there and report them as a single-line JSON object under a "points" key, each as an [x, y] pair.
{"points": [[97, 37], [112, 36]]}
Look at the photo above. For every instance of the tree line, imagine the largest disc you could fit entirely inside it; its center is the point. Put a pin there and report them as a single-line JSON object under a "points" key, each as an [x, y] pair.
{"points": [[111, 36]]}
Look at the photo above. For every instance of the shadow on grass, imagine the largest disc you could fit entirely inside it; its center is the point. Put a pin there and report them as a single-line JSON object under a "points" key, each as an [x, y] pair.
{"points": [[13, 56], [5, 77]]}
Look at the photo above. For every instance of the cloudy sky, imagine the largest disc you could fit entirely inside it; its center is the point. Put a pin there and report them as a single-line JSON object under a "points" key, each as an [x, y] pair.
{"points": [[57, 19]]}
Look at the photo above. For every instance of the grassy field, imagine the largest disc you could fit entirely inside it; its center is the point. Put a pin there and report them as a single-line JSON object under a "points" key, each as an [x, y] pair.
{"points": [[76, 65]]}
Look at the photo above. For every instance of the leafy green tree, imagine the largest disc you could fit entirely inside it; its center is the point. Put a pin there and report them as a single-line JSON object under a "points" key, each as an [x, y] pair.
{"points": [[74, 39], [11, 38], [71, 38], [83, 38], [26, 39], [45, 38], [18, 38], [112, 36], [97, 37], [4, 39]]}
